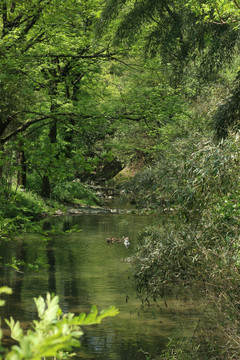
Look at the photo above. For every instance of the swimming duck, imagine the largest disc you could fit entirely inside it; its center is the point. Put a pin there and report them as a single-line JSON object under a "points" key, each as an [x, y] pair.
{"points": [[126, 241], [112, 240]]}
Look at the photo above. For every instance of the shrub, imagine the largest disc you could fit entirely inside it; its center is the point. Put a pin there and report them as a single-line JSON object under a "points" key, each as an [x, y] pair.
{"points": [[74, 192], [202, 254], [53, 334]]}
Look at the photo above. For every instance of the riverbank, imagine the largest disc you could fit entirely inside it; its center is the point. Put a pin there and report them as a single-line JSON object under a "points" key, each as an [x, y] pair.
{"points": [[20, 209]]}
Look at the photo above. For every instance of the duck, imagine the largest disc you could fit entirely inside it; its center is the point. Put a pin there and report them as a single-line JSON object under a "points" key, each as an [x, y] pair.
{"points": [[112, 240], [126, 241]]}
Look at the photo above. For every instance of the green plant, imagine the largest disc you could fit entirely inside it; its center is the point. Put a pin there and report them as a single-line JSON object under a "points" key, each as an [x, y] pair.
{"points": [[3, 290], [54, 333], [199, 255], [20, 210], [19, 264], [74, 192]]}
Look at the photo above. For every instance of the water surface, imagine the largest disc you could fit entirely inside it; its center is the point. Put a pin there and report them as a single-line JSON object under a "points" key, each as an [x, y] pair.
{"points": [[83, 270]]}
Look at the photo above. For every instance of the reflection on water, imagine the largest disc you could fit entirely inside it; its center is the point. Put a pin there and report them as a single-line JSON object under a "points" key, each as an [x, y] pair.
{"points": [[83, 270]]}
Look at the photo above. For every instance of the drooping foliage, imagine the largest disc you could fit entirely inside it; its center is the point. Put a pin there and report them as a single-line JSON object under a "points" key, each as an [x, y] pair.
{"points": [[197, 38], [175, 29], [227, 115]]}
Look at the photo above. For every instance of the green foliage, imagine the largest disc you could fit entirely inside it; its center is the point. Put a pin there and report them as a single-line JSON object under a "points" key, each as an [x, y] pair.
{"points": [[188, 349], [19, 264], [76, 114], [165, 183], [221, 11], [49, 89], [156, 112], [75, 193], [177, 31], [227, 114], [53, 333], [228, 208], [34, 183], [197, 252], [195, 179], [18, 210], [212, 173], [175, 256], [4, 290], [24, 203]]}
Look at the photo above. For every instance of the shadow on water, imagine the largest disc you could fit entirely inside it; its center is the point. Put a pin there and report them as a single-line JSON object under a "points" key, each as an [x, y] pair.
{"points": [[83, 270]]}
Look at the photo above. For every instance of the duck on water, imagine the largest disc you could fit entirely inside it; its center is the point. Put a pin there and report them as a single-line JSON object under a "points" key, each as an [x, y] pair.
{"points": [[124, 240]]}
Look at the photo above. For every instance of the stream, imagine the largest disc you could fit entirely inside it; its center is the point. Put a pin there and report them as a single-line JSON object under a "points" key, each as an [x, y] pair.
{"points": [[84, 271]]}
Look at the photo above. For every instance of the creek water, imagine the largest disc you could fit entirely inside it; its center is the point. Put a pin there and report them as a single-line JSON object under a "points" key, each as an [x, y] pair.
{"points": [[84, 271]]}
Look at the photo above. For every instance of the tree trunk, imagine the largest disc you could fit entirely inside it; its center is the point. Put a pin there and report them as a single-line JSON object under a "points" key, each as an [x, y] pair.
{"points": [[22, 172], [69, 134], [1, 166], [46, 186]]}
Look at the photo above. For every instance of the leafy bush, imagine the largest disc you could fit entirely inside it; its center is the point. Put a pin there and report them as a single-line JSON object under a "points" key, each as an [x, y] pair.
{"points": [[53, 334], [18, 210], [200, 174], [74, 192], [34, 183], [165, 181], [200, 255], [201, 260]]}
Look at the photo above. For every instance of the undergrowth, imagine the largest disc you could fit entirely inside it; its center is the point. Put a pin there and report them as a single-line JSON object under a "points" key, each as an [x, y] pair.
{"points": [[74, 192], [20, 208]]}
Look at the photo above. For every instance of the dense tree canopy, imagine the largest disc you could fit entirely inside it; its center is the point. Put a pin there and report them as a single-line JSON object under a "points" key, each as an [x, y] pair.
{"points": [[195, 38], [53, 72], [50, 60]]}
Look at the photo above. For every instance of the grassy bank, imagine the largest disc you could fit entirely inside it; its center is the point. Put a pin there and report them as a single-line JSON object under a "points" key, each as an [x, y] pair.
{"points": [[19, 209]]}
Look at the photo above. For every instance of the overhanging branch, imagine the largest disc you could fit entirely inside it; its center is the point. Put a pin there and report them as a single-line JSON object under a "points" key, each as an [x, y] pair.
{"points": [[21, 128], [98, 55], [27, 124]]}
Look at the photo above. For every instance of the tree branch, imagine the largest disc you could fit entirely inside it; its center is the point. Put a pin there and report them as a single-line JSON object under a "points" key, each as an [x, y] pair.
{"points": [[22, 128], [40, 126], [237, 5], [78, 56], [4, 18]]}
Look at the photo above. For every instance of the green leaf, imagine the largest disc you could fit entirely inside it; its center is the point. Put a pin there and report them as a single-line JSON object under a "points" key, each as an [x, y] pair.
{"points": [[54, 332], [5, 290]]}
